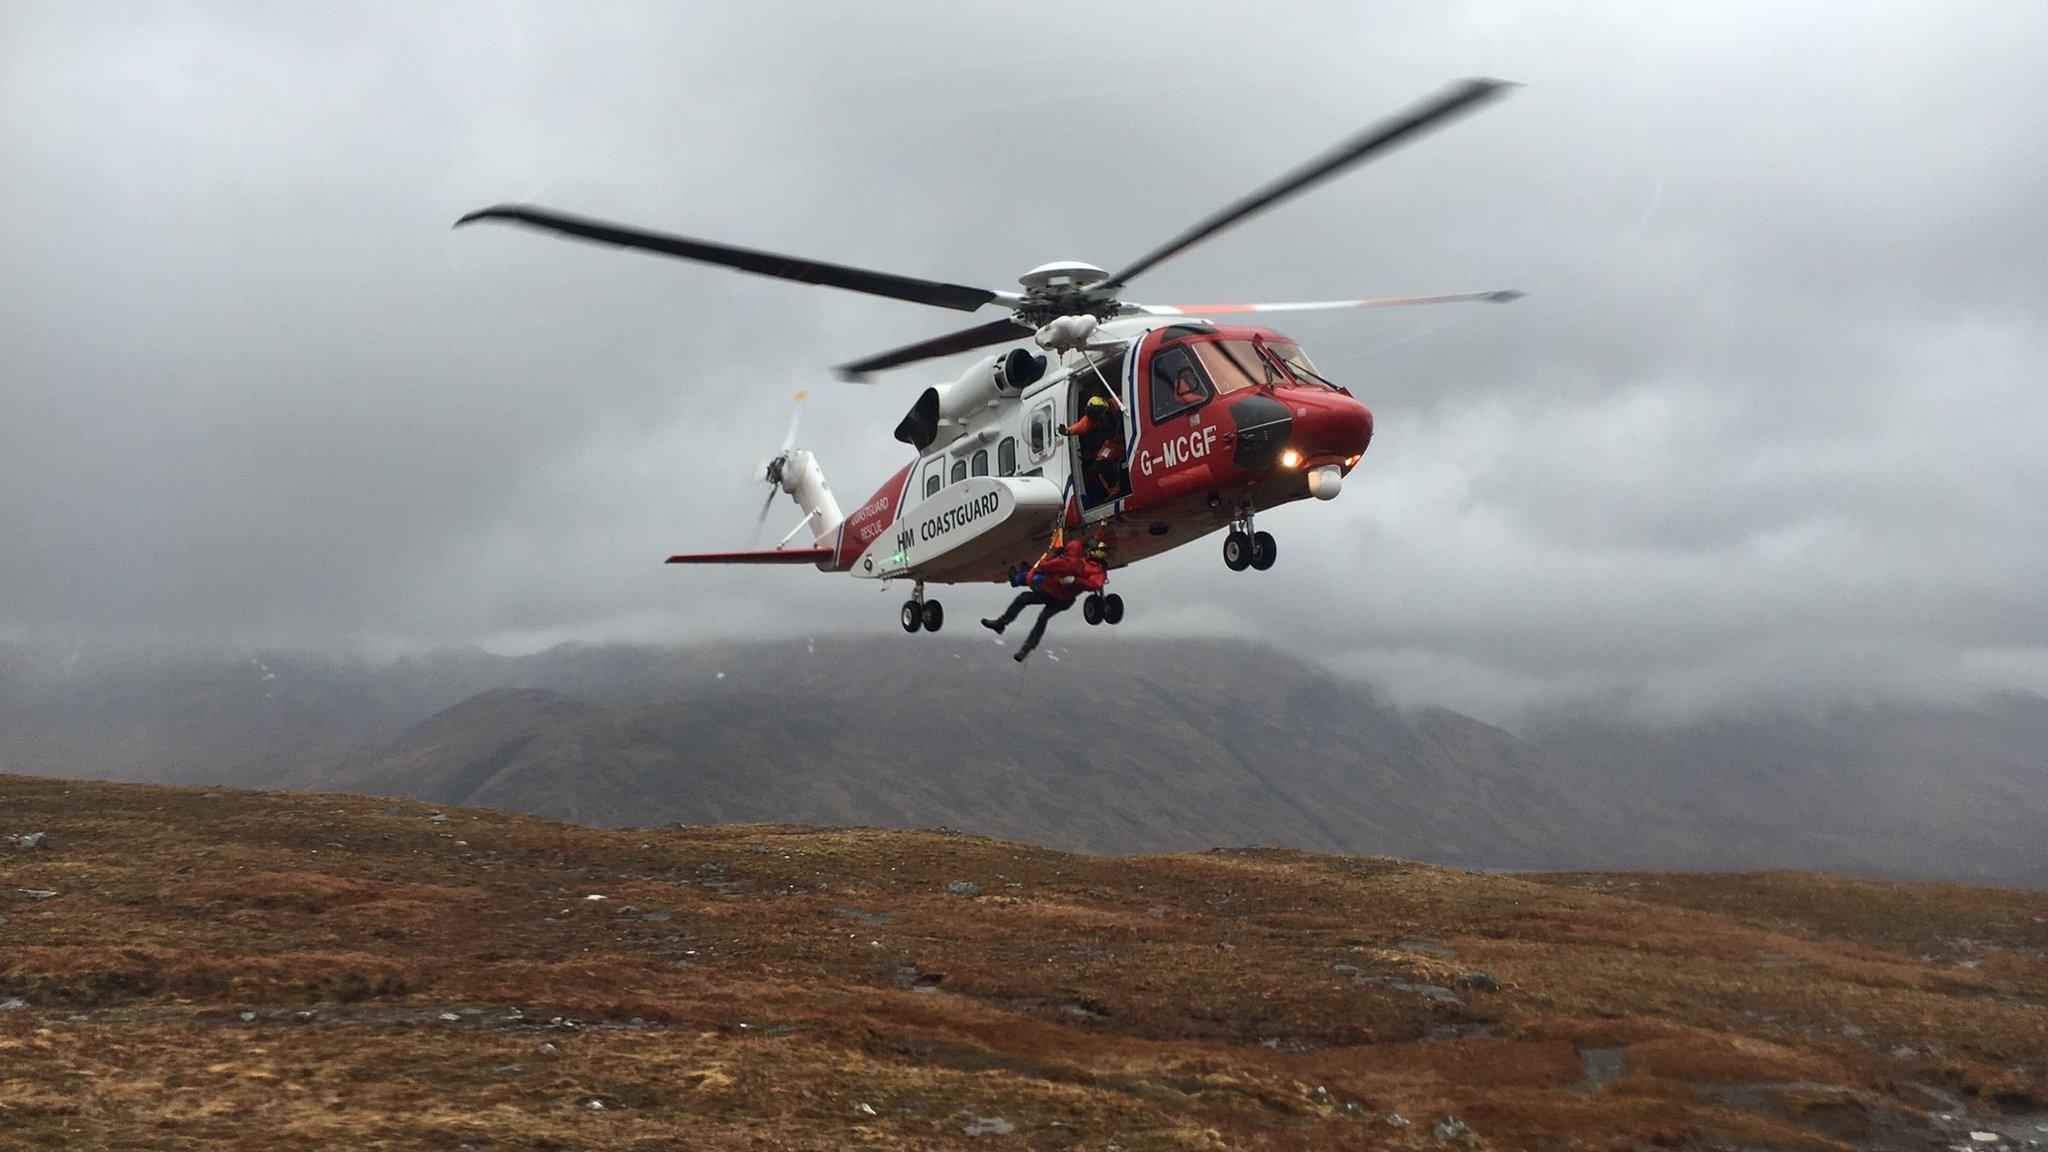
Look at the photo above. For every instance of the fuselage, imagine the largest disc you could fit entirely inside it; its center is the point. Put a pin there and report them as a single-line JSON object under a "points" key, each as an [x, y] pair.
{"points": [[1192, 426]]}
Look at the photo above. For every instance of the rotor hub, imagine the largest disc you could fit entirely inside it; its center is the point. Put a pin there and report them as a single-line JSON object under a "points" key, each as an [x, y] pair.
{"points": [[1064, 288], [1061, 275]]}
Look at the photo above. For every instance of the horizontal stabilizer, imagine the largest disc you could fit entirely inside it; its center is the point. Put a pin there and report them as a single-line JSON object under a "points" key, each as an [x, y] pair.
{"points": [[756, 556]]}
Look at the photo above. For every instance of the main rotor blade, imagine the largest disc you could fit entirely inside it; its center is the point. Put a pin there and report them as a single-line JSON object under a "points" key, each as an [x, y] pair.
{"points": [[940, 295], [1501, 297], [1450, 103], [980, 336]]}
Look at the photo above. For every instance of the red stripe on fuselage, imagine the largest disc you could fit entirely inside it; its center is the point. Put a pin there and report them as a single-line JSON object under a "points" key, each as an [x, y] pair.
{"points": [[871, 519]]}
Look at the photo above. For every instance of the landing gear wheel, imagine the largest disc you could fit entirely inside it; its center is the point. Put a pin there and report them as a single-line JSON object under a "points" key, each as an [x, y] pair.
{"points": [[1265, 550], [1091, 608], [1112, 609], [1237, 551], [934, 616], [913, 616]]}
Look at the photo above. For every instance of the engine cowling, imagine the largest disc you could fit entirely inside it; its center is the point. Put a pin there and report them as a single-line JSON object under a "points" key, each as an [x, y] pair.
{"points": [[943, 411]]}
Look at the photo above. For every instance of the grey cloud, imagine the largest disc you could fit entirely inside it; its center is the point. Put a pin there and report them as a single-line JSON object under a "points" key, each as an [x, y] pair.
{"points": [[1767, 424]]}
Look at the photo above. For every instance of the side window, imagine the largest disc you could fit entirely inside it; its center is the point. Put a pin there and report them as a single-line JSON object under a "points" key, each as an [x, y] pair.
{"points": [[934, 476], [959, 471], [1041, 433], [1006, 457], [1178, 383], [979, 465]]}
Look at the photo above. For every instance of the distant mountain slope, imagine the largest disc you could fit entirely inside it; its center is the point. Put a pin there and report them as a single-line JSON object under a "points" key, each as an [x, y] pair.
{"points": [[1150, 747], [1118, 745], [1957, 792]]}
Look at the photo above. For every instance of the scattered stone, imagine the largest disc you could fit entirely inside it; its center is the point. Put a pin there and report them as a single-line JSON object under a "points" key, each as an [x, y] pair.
{"points": [[31, 841], [988, 1126], [658, 916], [36, 893], [305, 1017], [1426, 947], [593, 896], [1452, 1128], [1319, 1094], [438, 818], [547, 1049], [864, 1108], [1478, 981], [1599, 1065], [1436, 992], [963, 888], [450, 1017], [12, 1004], [247, 1017], [1396, 1120], [1984, 1137], [601, 1103]]}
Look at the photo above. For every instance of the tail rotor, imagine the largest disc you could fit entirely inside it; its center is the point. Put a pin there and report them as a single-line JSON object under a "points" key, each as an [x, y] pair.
{"points": [[790, 470]]}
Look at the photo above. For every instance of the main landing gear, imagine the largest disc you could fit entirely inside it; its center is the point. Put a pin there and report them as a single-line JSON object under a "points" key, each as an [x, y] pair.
{"points": [[1101, 609], [1244, 548], [920, 613]]}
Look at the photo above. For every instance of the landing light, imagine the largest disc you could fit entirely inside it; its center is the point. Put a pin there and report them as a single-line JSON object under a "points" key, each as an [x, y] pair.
{"points": [[1290, 459]]}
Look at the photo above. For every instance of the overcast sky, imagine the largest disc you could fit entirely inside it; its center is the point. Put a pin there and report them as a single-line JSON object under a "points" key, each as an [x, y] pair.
{"points": [[1770, 424]]}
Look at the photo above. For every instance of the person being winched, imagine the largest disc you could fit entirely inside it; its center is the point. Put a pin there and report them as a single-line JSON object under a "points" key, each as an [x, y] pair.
{"points": [[1055, 580]]}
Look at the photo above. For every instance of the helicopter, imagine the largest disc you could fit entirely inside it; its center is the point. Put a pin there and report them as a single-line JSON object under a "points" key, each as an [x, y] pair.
{"points": [[1140, 426]]}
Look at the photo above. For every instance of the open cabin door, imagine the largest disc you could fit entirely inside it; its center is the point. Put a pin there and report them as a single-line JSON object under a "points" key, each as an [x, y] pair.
{"points": [[1100, 444]]}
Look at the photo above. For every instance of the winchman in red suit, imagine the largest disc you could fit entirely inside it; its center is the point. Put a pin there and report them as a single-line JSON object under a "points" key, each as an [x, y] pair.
{"points": [[1056, 580], [1102, 445]]}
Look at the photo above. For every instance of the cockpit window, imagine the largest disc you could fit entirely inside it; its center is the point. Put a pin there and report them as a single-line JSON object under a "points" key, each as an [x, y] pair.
{"points": [[1297, 363], [1235, 364], [1177, 383]]}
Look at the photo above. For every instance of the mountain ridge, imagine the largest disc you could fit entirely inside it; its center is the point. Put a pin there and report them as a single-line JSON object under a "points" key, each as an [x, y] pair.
{"points": [[1118, 745]]}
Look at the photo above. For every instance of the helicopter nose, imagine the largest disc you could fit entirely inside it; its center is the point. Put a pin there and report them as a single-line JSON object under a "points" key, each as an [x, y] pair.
{"points": [[1329, 428]]}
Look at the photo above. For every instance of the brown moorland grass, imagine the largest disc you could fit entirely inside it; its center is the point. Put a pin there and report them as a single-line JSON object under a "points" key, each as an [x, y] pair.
{"points": [[282, 971]]}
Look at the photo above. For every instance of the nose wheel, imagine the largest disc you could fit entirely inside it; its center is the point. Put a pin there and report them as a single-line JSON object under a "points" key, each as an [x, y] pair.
{"points": [[920, 614], [1244, 548]]}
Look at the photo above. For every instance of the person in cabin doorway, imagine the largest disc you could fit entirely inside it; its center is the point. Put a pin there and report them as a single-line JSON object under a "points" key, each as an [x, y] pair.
{"points": [[1101, 433]]}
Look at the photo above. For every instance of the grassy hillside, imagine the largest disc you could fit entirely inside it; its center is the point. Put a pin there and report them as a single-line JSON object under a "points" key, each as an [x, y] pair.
{"points": [[246, 970]]}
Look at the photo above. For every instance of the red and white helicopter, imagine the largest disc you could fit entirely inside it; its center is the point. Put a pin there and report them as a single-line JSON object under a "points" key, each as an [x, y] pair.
{"points": [[1143, 425]]}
